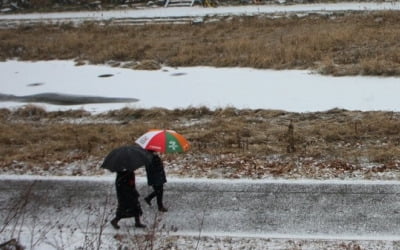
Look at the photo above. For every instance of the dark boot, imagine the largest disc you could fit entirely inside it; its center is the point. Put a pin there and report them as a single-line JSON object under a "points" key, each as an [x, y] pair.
{"points": [[159, 190], [148, 200], [114, 223], [138, 224], [162, 209]]}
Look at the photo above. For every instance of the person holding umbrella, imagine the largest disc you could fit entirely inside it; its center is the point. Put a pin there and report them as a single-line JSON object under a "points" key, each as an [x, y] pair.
{"points": [[156, 178], [160, 141], [128, 199], [124, 161]]}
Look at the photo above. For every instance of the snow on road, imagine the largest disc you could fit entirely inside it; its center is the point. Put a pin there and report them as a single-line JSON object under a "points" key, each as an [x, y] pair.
{"points": [[198, 11], [229, 214]]}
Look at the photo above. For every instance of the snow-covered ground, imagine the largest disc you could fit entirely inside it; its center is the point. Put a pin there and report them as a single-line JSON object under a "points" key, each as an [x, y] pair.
{"points": [[290, 90]]}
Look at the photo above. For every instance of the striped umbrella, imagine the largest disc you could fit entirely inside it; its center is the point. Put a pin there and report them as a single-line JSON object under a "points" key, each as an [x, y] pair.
{"points": [[164, 141]]}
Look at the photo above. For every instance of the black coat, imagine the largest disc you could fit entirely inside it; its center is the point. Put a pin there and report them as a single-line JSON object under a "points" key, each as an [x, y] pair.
{"points": [[128, 196], [155, 172]]}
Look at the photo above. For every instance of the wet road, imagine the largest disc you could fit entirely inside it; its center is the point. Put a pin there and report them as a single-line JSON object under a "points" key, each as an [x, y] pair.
{"points": [[194, 15], [264, 208]]}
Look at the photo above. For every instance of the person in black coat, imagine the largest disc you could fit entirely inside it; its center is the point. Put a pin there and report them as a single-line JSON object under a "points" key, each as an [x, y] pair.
{"points": [[156, 178], [128, 199]]}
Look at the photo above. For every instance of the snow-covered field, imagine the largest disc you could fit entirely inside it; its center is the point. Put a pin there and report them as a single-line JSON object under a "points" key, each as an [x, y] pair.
{"points": [[290, 90]]}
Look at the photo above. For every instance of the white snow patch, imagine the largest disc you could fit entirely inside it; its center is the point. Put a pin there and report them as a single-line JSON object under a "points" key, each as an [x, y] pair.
{"points": [[290, 90]]}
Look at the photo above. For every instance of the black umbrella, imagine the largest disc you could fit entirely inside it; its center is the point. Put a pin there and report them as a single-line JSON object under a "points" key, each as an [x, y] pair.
{"points": [[126, 158]]}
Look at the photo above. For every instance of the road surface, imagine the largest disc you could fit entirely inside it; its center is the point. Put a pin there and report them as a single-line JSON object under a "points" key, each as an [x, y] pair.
{"points": [[196, 14], [268, 209]]}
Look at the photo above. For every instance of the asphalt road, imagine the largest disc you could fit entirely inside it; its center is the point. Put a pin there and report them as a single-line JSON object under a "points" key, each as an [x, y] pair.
{"points": [[193, 15], [348, 210]]}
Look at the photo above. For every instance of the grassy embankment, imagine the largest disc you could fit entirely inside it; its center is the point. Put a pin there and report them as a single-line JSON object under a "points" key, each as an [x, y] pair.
{"points": [[336, 139]]}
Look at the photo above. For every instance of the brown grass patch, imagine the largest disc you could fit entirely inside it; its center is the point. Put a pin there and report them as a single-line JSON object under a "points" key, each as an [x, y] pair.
{"points": [[330, 137]]}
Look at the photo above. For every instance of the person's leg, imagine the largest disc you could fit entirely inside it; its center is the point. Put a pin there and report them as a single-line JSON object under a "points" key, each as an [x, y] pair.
{"points": [[150, 197], [114, 222], [159, 190]]}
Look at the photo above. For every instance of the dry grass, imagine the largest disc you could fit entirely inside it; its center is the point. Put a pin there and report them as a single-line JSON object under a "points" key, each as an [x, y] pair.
{"points": [[342, 139], [348, 44]]}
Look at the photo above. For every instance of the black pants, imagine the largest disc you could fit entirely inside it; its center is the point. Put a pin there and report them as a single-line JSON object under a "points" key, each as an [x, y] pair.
{"points": [[158, 192]]}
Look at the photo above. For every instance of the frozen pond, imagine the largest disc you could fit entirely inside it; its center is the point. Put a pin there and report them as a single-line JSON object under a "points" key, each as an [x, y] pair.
{"points": [[290, 90]]}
